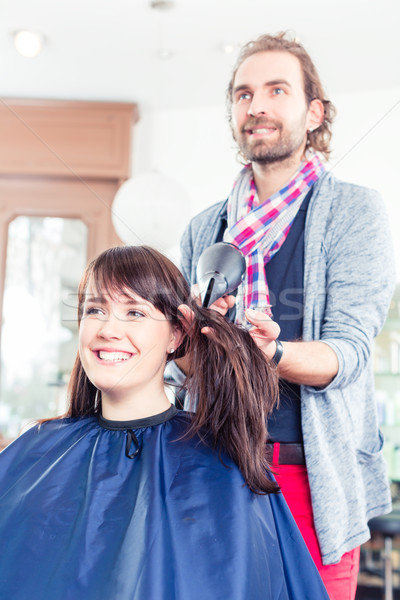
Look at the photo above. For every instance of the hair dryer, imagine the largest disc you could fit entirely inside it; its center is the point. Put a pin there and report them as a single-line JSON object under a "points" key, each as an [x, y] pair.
{"points": [[219, 271]]}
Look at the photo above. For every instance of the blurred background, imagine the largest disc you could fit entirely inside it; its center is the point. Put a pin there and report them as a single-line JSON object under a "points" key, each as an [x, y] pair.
{"points": [[113, 129]]}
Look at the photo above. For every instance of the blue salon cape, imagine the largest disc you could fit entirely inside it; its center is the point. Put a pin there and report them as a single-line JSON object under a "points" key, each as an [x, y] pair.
{"points": [[80, 520]]}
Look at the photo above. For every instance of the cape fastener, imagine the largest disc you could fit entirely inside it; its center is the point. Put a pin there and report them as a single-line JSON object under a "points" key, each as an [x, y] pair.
{"points": [[132, 439]]}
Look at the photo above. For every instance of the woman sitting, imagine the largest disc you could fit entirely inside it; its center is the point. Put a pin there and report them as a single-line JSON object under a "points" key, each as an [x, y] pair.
{"points": [[125, 497]]}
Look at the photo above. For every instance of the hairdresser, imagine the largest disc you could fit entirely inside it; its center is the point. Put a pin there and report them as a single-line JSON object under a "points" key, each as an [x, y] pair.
{"points": [[320, 264]]}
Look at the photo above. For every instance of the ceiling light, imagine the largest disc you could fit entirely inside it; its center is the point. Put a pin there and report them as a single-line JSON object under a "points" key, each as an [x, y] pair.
{"points": [[228, 47], [165, 53], [28, 43], [162, 4]]}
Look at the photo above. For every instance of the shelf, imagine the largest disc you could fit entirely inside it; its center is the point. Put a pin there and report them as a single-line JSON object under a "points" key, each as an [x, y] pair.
{"points": [[386, 374], [372, 567], [392, 323], [366, 592]]}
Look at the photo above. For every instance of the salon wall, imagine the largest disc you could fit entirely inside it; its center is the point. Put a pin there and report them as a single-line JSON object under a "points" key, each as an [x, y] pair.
{"points": [[367, 150], [194, 146]]}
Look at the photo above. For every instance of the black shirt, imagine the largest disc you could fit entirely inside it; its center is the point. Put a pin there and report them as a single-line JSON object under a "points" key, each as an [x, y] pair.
{"points": [[285, 272]]}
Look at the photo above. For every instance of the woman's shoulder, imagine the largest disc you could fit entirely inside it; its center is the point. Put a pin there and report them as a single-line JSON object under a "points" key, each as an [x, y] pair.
{"points": [[181, 423], [47, 432], [183, 418], [200, 444], [59, 424]]}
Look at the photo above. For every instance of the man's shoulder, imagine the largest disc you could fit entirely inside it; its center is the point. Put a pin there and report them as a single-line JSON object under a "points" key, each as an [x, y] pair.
{"points": [[330, 184], [204, 226], [201, 232], [334, 192], [215, 210]]}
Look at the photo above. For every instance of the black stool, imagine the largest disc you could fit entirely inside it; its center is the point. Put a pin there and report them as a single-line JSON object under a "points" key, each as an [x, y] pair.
{"points": [[389, 526]]}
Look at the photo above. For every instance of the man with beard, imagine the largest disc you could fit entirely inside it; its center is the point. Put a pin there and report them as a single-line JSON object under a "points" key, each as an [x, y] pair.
{"points": [[319, 265]]}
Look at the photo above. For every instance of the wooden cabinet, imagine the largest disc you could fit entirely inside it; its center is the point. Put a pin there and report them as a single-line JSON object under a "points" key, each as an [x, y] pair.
{"points": [[66, 139]]}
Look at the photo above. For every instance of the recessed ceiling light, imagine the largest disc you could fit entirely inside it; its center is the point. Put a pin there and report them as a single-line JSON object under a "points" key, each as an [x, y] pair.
{"points": [[165, 53], [28, 43], [162, 4], [228, 47]]}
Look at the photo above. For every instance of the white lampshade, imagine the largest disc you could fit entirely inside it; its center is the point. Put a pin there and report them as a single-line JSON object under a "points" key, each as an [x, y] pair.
{"points": [[151, 209]]}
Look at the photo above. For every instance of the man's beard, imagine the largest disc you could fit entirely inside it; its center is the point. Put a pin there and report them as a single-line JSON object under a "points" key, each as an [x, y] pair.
{"points": [[265, 152]]}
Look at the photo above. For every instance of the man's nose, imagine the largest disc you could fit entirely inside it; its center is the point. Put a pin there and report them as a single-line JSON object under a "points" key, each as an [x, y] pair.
{"points": [[258, 105]]}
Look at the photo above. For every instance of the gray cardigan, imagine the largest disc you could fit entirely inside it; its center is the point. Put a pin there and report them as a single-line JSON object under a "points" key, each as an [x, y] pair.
{"points": [[348, 283]]}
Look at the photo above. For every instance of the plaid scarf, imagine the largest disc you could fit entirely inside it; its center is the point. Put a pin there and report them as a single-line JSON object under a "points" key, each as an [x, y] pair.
{"points": [[259, 230]]}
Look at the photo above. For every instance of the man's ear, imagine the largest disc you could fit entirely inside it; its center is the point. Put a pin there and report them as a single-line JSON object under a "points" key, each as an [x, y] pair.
{"points": [[315, 115]]}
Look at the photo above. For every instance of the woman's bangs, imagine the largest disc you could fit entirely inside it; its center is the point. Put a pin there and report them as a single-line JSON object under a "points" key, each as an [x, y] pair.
{"points": [[125, 273], [139, 270]]}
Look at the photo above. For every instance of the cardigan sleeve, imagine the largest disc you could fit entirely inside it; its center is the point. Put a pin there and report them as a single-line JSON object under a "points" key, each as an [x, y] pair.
{"points": [[358, 256]]}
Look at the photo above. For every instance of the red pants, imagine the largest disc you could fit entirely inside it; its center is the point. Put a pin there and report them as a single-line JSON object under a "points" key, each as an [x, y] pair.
{"points": [[340, 579]]}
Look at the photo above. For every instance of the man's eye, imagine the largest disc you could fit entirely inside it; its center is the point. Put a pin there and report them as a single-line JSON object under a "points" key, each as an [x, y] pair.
{"points": [[278, 91], [243, 96]]}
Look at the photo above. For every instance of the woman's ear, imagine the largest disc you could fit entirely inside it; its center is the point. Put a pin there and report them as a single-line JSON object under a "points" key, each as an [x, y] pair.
{"points": [[186, 316], [176, 338]]}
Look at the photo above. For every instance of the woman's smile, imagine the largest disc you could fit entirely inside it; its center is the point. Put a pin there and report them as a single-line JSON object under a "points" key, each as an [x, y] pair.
{"points": [[113, 356]]}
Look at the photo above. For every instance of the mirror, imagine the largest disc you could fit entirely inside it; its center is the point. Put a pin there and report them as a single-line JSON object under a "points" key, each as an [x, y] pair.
{"points": [[45, 260]]}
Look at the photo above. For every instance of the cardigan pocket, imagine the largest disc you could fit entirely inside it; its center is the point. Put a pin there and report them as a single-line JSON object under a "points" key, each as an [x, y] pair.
{"points": [[374, 473], [369, 456]]}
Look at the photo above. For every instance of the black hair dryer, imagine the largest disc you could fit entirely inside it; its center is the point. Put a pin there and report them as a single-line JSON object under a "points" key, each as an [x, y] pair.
{"points": [[220, 271]]}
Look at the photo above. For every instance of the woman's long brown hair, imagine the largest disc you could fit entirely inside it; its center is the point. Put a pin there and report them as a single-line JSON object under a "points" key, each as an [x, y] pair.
{"points": [[231, 385]]}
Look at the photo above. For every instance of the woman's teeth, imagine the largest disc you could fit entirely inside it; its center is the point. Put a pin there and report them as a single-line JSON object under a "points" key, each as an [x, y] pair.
{"points": [[114, 356]]}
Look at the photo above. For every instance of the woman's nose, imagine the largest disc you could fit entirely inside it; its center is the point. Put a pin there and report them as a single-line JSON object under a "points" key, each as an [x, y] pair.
{"points": [[111, 328]]}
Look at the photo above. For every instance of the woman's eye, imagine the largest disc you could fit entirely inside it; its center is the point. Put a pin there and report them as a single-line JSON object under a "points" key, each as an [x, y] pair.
{"points": [[93, 310], [135, 314]]}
